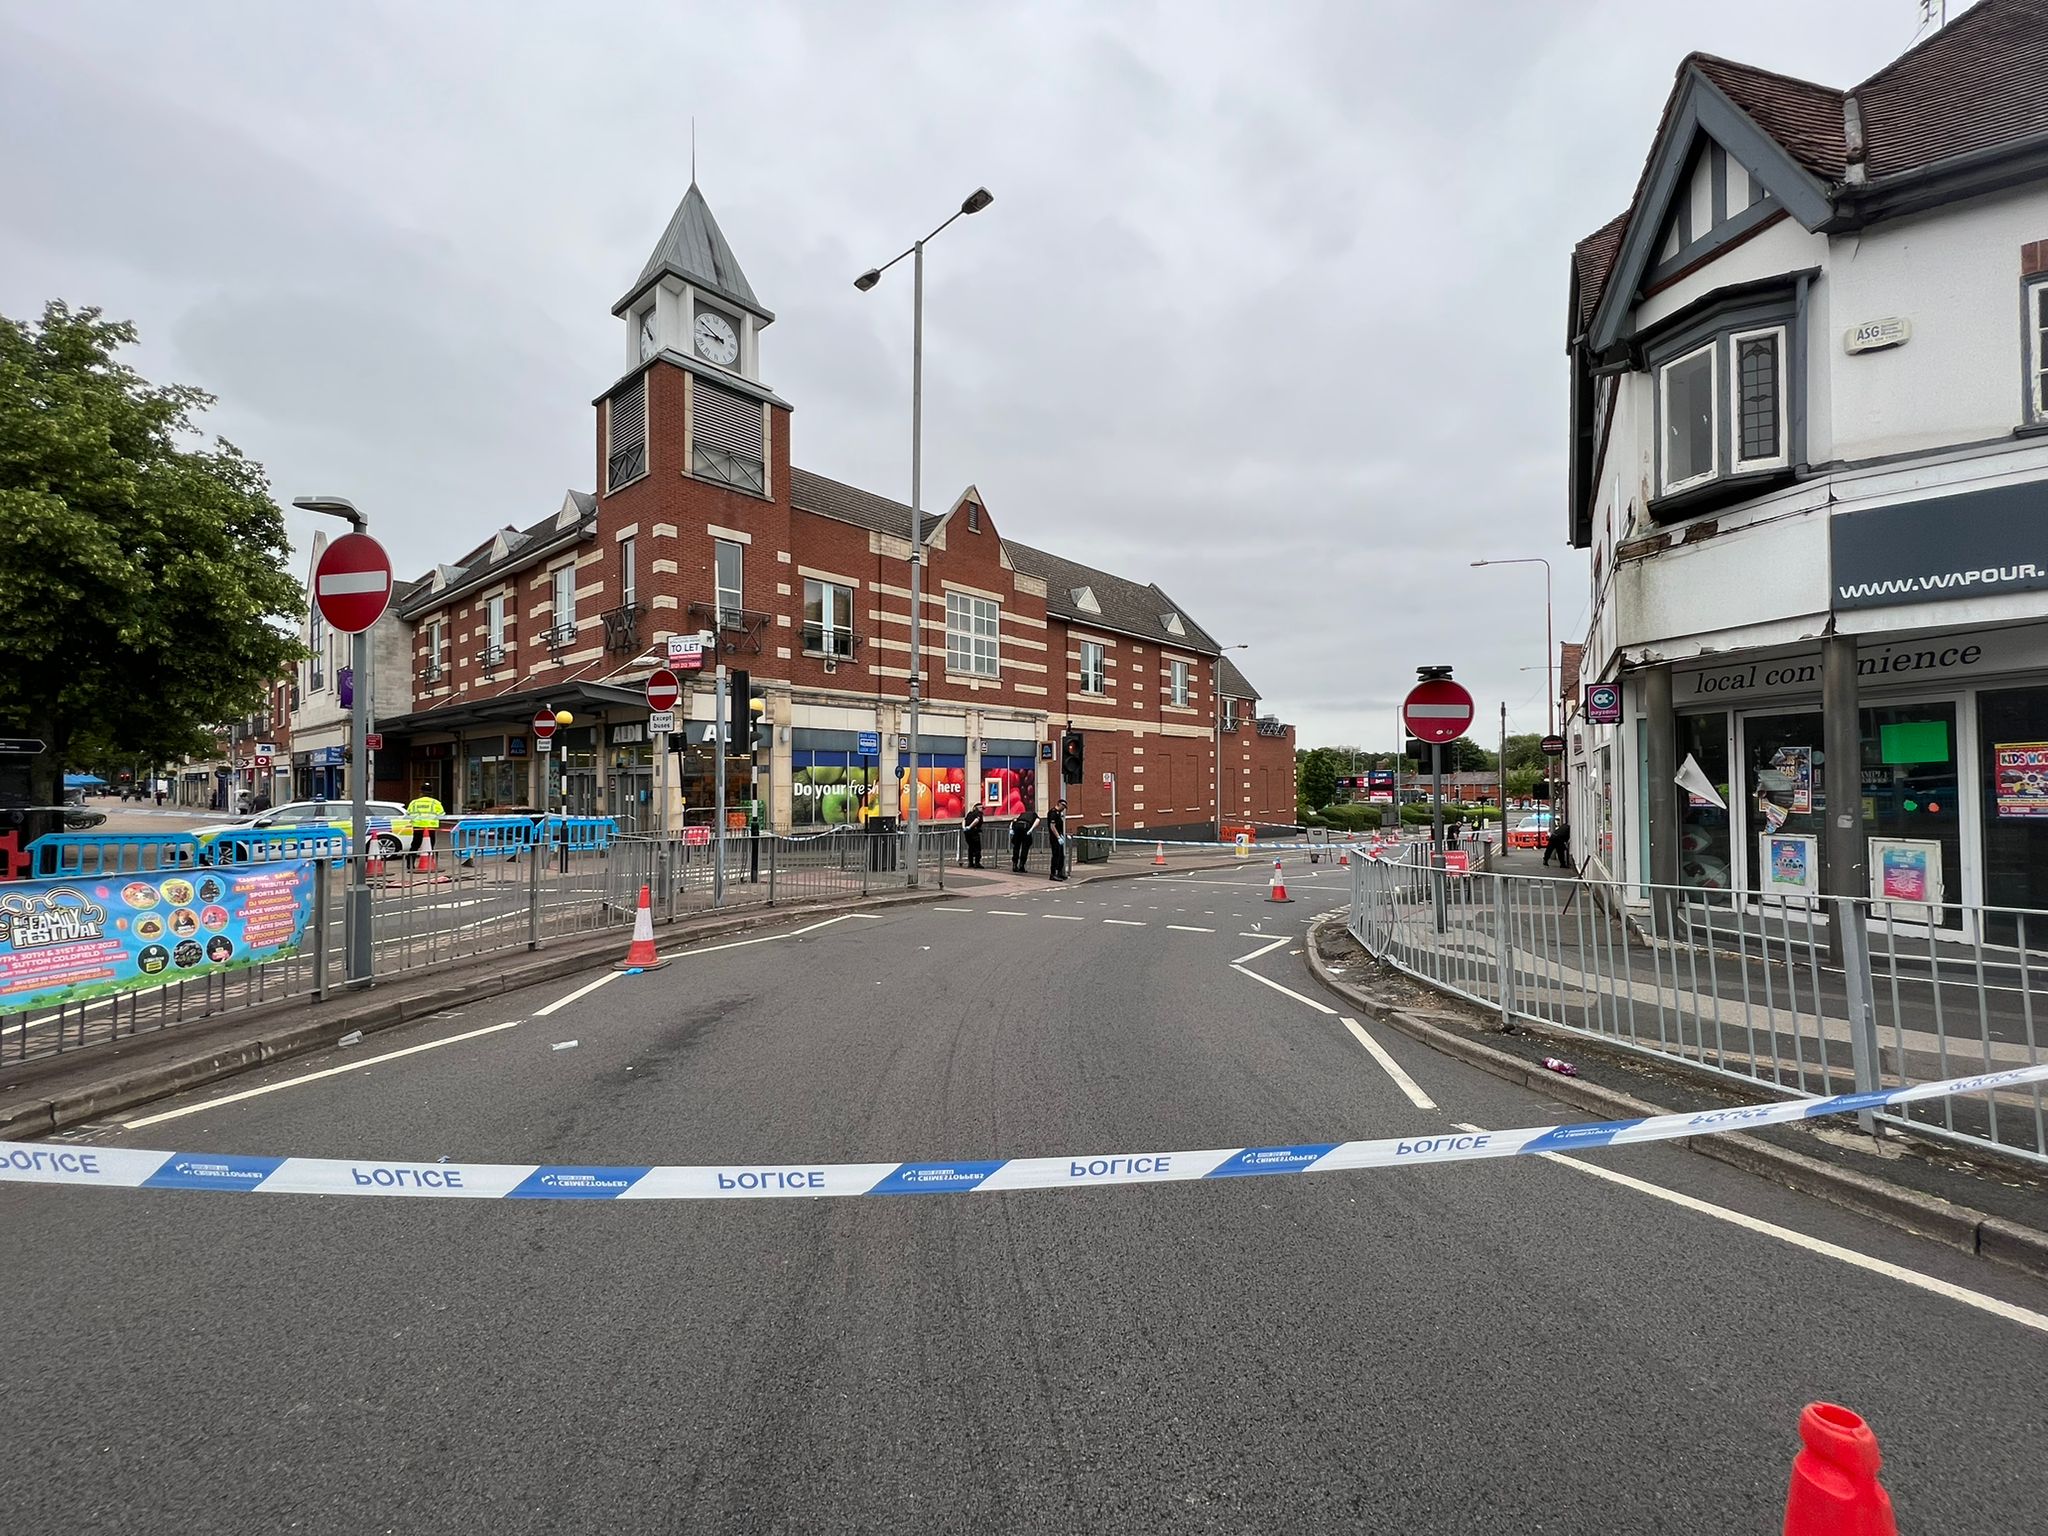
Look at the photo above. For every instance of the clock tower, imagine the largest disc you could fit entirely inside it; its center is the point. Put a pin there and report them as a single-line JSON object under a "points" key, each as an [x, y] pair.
{"points": [[692, 302]]}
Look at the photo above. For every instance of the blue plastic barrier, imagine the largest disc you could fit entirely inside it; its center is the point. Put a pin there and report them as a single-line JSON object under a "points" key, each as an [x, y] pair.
{"points": [[261, 845], [86, 855]]}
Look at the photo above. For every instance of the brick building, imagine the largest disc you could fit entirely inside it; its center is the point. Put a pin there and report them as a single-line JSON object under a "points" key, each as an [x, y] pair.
{"points": [[702, 527]]}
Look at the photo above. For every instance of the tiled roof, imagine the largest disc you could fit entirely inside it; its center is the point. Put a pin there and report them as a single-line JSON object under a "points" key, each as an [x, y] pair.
{"points": [[480, 563], [1803, 117], [850, 504], [1232, 683], [1127, 606], [1592, 261], [1980, 82], [694, 249]]}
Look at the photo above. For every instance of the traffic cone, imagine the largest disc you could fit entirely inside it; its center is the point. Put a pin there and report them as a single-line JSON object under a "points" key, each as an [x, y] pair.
{"points": [[1278, 890], [426, 864], [1160, 856], [1835, 1491], [640, 955], [1344, 857]]}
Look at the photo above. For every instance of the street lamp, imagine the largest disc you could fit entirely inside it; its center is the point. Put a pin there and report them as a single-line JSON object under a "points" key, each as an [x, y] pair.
{"points": [[356, 902], [1549, 672], [977, 200], [1218, 703]]}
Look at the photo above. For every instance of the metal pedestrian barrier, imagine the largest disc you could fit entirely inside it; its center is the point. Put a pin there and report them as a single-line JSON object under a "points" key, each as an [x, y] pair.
{"points": [[1799, 996]]}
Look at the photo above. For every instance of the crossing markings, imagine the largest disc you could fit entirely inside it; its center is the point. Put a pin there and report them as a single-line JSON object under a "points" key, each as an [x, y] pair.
{"points": [[1391, 1067], [1188, 928], [1876, 1266], [1289, 991], [313, 1077], [1241, 959]]}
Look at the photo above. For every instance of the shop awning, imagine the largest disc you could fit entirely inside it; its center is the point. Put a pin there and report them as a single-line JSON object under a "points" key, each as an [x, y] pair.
{"points": [[515, 711]]}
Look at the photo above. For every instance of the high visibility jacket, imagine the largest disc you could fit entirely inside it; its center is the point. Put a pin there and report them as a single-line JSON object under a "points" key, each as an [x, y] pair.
{"points": [[425, 812]]}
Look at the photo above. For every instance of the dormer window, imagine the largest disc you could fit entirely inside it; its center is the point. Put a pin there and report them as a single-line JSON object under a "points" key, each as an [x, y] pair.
{"points": [[1722, 398], [1084, 599], [1171, 623]]}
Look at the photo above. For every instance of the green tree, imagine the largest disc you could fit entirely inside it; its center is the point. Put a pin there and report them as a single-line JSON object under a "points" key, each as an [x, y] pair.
{"points": [[143, 574], [1315, 778], [1525, 752], [1466, 756], [1522, 781]]}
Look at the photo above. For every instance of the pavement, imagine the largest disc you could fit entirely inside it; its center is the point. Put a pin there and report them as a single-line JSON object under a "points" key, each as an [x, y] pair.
{"points": [[1520, 1345]]}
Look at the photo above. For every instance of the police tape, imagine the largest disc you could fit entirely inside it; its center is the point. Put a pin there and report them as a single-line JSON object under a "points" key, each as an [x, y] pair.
{"points": [[132, 1168]]}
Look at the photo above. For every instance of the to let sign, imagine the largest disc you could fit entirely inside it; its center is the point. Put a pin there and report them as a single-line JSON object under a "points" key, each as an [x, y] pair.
{"points": [[1437, 711], [686, 653], [352, 583]]}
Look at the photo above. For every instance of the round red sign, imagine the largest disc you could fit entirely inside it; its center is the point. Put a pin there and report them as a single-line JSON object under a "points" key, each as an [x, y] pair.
{"points": [[544, 723], [352, 583], [1437, 711], [663, 689]]}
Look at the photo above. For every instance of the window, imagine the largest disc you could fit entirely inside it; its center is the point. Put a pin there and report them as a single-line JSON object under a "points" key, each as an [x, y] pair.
{"points": [[628, 574], [316, 678], [1759, 400], [494, 644], [1686, 387], [2037, 349], [437, 646], [565, 602], [828, 618], [727, 437], [728, 556], [1229, 713], [972, 626], [1177, 680], [1092, 678], [625, 415]]}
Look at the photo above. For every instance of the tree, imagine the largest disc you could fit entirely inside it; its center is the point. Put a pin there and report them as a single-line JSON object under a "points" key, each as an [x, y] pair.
{"points": [[1525, 752], [1315, 779], [143, 575], [1466, 756]]}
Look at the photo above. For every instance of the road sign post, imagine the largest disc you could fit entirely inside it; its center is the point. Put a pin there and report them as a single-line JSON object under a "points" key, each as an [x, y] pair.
{"points": [[1437, 710], [352, 586]]}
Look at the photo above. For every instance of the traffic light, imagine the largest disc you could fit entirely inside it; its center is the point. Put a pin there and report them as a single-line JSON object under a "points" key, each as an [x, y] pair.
{"points": [[1418, 753], [1071, 767]]}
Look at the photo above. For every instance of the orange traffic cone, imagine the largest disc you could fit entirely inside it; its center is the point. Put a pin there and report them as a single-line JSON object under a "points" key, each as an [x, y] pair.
{"points": [[640, 955], [1835, 1491], [1160, 856], [1278, 890], [426, 864], [1343, 856]]}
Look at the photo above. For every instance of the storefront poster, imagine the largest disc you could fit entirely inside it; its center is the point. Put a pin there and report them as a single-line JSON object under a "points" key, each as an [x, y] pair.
{"points": [[1773, 813], [2020, 769], [1790, 863], [1791, 771], [1906, 869], [64, 941]]}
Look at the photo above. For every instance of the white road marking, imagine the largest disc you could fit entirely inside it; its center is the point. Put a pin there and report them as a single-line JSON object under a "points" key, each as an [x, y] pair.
{"points": [[1188, 928], [1063, 917], [952, 909], [1391, 1067], [583, 991], [1898, 1272], [1006, 912], [1241, 959], [1123, 922], [1255, 976], [313, 1077]]}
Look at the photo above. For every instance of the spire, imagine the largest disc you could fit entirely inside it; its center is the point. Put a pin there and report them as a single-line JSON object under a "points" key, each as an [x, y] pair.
{"points": [[694, 249]]}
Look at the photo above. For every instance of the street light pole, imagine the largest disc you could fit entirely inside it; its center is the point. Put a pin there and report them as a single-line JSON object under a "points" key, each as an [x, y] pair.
{"points": [[1549, 673], [979, 199], [1216, 701]]}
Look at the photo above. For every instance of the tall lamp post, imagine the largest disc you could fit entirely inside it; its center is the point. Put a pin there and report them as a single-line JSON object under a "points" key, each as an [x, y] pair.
{"points": [[977, 200], [356, 902], [1218, 702], [1549, 678]]}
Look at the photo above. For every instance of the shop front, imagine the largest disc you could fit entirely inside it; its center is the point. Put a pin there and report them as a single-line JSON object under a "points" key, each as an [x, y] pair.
{"points": [[1950, 789]]}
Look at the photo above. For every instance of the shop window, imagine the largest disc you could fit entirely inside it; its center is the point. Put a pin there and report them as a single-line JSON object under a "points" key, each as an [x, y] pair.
{"points": [[830, 789], [2012, 734], [1912, 788], [1704, 854]]}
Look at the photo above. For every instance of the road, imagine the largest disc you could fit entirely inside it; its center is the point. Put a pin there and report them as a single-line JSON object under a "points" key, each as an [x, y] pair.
{"points": [[1521, 1345]]}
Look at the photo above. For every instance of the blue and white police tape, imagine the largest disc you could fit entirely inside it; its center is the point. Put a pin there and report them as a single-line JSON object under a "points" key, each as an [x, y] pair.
{"points": [[131, 1168]]}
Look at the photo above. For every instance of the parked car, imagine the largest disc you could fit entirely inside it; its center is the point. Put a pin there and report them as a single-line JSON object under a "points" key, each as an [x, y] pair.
{"points": [[1531, 831], [388, 828]]}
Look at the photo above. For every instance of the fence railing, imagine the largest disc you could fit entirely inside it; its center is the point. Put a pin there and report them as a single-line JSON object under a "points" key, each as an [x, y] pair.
{"points": [[1808, 996]]}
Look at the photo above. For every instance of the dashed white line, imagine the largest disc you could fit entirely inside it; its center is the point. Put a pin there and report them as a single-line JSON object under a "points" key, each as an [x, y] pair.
{"points": [[1188, 928], [1391, 1067], [1006, 912], [1876, 1266], [1063, 917], [583, 991], [1241, 959], [1123, 922], [1264, 981]]}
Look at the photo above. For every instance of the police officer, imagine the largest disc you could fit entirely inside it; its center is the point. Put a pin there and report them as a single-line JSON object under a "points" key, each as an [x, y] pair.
{"points": [[970, 834], [1056, 835], [1020, 839], [425, 814]]}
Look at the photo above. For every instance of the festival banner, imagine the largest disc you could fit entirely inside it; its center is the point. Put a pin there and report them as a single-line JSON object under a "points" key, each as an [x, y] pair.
{"points": [[67, 940]]}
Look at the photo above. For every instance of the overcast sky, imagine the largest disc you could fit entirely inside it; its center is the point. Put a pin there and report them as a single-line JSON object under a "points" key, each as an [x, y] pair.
{"points": [[1269, 308]]}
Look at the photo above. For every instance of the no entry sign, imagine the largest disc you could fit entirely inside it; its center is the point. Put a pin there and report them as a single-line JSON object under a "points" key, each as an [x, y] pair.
{"points": [[352, 583], [1437, 711], [663, 689], [544, 723]]}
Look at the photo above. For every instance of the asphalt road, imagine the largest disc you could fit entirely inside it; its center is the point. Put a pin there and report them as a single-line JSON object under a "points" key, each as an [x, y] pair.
{"points": [[1516, 1346]]}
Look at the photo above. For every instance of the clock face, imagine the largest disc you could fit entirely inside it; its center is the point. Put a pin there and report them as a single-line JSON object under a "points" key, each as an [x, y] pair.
{"points": [[716, 339], [647, 347]]}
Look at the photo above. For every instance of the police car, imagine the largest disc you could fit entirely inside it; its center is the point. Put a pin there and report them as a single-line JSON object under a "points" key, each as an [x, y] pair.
{"points": [[388, 828]]}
